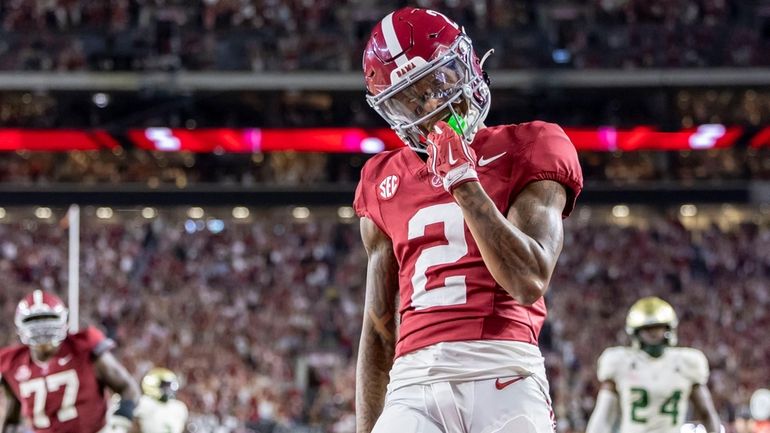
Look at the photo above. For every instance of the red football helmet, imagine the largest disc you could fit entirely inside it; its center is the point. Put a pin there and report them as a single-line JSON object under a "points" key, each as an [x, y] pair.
{"points": [[41, 318], [420, 67]]}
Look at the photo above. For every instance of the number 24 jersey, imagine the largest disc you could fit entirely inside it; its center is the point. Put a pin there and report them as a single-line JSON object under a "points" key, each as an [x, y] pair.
{"points": [[654, 392], [446, 291]]}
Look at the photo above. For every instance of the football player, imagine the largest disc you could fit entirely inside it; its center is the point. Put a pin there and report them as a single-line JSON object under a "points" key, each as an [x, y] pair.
{"points": [[159, 411], [646, 387], [57, 380], [463, 227]]}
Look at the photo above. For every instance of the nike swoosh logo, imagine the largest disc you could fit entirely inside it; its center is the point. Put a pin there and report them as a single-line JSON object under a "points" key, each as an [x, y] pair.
{"points": [[452, 161], [484, 161], [63, 361], [501, 385]]}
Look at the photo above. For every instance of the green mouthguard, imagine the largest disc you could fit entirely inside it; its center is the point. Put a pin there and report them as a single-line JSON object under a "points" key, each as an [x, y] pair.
{"points": [[457, 123]]}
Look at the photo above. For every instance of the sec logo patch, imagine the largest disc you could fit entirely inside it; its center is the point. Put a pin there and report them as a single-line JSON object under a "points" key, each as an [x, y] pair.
{"points": [[389, 186], [22, 373]]}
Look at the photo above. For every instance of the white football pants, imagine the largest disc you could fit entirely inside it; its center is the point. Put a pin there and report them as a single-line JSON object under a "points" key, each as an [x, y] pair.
{"points": [[504, 405]]}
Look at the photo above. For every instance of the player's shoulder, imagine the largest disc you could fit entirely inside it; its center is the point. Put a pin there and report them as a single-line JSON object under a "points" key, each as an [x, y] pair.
{"points": [[10, 356], [692, 363], [615, 354], [611, 362], [380, 162], [689, 355], [178, 406], [516, 136], [91, 339]]}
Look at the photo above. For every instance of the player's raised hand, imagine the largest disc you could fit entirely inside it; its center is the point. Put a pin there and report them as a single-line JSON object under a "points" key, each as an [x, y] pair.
{"points": [[450, 157]]}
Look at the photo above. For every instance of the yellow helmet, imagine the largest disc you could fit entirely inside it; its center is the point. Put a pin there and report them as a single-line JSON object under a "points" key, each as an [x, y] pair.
{"points": [[651, 311], [160, 383]]}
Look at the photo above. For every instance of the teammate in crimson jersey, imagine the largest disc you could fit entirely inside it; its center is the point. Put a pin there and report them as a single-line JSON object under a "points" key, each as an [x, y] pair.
{"points": [[463, 228], [57, 380]]}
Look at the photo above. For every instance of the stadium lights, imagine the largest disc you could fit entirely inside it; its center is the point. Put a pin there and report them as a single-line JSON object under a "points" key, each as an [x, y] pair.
{"points": [[195, 212], [346, 212], [300, 213], [43, 212], [149, 213], [215, 225], [104, 213], [2, 213], [101, 100], [621, 211], [240, 212], [688, 210]]}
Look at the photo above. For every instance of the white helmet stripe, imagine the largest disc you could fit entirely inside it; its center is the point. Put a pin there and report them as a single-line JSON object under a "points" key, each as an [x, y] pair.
{"points": [[37, 297], [391, 40]]}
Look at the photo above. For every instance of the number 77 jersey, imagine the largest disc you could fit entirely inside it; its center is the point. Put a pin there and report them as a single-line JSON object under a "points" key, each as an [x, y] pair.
{"points": [[62, 395], [446, 291]]}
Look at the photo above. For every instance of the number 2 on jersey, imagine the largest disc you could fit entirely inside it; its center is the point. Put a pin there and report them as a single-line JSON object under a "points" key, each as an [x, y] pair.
{"points": [[453, 290], [39, 389]]}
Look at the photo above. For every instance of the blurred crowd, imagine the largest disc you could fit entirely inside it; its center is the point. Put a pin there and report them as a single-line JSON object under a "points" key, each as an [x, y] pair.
{"points": [[155, 169], [261, 320], [67, 35], [670, 109]]}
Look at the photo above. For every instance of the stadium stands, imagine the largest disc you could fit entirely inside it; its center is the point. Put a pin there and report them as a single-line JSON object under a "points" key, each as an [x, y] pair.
{"points": [[68, 35]]}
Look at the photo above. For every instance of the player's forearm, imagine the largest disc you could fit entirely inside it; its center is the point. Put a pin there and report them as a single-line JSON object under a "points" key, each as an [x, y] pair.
{"points": [[705, 409], [375, 359], [711, 421], [111, 372], [713, 425], [516, 261], [378, 333], [605, 413], [126, 386]]}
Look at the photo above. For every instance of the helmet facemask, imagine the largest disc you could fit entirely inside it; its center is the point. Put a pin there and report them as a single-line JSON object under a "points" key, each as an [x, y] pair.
{"points": [[654, 349], [42, 329], [451, 82]]}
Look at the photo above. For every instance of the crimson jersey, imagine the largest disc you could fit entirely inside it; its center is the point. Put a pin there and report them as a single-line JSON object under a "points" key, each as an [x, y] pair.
{"points": [[446, 291], [62, 395]]}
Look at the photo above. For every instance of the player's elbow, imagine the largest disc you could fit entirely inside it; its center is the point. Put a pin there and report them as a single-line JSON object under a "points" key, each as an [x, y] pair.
{"points": [[532, 292], [526, 291]]}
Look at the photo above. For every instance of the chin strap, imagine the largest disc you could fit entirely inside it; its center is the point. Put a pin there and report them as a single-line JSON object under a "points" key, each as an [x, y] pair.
{"points": [[485, 57]]}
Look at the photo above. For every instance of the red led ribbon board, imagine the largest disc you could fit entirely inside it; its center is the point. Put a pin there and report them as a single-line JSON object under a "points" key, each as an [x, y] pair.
{"points": [[761, 139], [57, 140], [358, 140], [332, 140]]}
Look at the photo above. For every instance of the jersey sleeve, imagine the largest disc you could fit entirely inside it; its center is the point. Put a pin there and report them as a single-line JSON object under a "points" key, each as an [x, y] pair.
{"points": [[359, 201], [696, 366], [142, 408], [551, 156], [184, 413], [4, 362], [365, 202], [94, 341], [608, 364]]}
